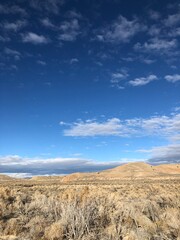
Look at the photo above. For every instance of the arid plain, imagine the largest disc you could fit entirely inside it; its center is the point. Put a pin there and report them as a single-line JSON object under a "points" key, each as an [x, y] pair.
{"points": [[135, 201]]}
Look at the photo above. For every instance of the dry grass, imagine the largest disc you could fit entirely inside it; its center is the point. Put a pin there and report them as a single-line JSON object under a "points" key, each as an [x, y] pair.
{"points": [[129, 210]]}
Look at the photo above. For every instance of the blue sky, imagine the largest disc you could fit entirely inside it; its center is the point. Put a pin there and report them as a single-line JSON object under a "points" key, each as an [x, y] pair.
{"points": [[88, 85]]}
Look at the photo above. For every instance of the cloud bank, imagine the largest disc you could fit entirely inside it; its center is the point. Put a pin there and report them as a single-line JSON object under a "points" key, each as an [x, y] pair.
{"points": [[38, 166], [164, 154]]}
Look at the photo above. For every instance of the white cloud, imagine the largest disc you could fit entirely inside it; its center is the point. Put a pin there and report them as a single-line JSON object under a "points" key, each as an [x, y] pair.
{"points": [[110, 127], [148, 61], [9, 51], [156, 45], [62, 123], [172, 23], [47, 23], [69, 30], [161, 126], [14, 67], [34, 38], [166, 29], [172, 20], [74, 60], [118, 76], [155, 30], [12, 53], [163, 31], [173, 78], [143, 80], [128, 59], [121, 30]]}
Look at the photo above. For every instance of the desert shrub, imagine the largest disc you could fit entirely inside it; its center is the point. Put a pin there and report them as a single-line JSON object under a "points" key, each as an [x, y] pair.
{"points": [[55, 231], [127, 211]]}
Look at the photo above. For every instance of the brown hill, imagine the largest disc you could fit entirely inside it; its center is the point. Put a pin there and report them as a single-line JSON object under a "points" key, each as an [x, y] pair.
{"points": [[168, 168], [46, 178], [137, 170], [141, 169], [73, 177], [128, 171], [131, 167], [5, 177]]}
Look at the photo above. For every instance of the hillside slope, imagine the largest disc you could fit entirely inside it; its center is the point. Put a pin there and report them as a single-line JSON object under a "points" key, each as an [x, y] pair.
{"points": [[128, 171]]}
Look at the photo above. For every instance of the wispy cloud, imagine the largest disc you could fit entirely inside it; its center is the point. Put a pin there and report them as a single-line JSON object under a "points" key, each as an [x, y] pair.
{"points": [[148, 61], [4, 39], [69, 30], [176, 109], [167, 28], [47, 5], [143, 80], [175, 32], [13, 9], [155, 30], [172, 20], [154, 15], [74, 14], [12, 53], [173, 78], [161, 126], [118, 77], [14, 26], [34, 38], [74, 60], [121, 30], [9, 51], [156, 45], [46, 22], [42, 63]]}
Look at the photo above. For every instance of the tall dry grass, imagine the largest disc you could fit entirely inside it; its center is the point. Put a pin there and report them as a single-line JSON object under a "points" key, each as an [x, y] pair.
{"points": [[131, 211]]}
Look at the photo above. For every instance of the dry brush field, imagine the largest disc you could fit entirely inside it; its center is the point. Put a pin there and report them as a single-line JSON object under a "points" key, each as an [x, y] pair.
{"points": [[133, 209]]}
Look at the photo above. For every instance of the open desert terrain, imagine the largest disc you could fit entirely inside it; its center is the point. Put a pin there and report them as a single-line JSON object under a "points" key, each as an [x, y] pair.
{"points": [[135, 201]]}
